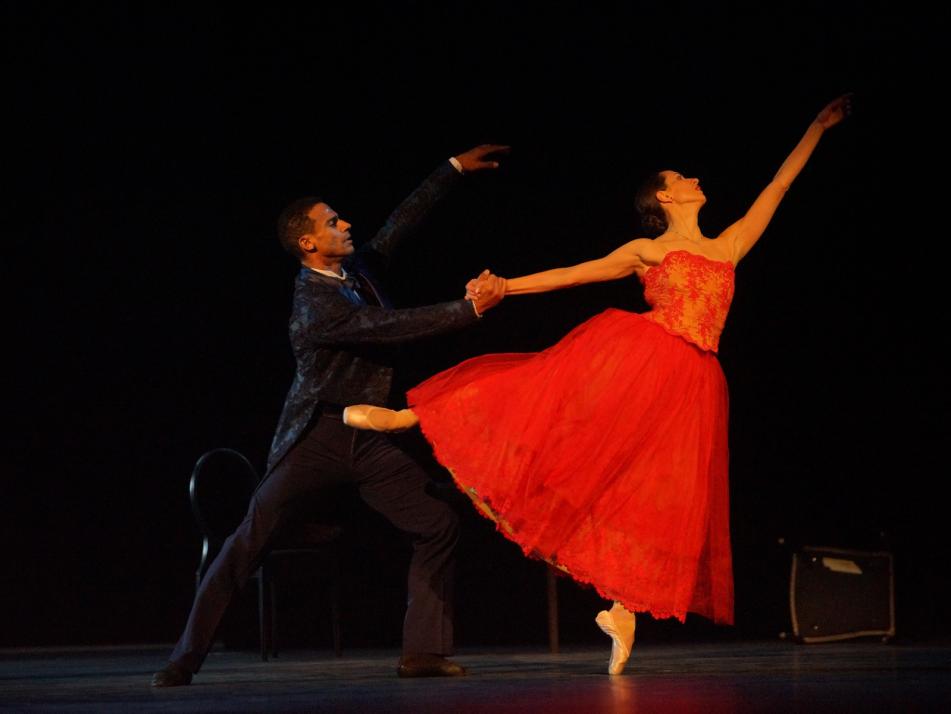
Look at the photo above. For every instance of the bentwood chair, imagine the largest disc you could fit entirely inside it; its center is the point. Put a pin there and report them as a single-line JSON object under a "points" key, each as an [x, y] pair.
{"points": [[220, 489]]}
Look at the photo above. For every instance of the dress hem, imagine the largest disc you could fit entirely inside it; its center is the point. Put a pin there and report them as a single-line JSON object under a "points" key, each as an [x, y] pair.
{"points": [[506, 529]]}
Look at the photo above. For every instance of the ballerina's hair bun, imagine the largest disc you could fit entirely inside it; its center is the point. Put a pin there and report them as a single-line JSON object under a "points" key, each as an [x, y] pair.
{"points": [[652, 226]]}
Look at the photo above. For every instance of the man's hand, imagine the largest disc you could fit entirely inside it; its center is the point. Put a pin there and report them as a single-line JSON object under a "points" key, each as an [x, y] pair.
{"points": [[474, 285], [486, 291], [476, 159]]}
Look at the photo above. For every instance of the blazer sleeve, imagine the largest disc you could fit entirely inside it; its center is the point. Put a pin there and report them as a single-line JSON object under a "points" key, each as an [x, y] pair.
{"points": [[334, 322], [410, 214]]}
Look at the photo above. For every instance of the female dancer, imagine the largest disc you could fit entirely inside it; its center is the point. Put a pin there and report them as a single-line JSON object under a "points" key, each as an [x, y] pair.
{"points": [[606, 454]]}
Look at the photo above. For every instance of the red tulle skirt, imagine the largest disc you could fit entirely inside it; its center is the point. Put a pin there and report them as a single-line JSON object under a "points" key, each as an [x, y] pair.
{"points": [[605, 454]]}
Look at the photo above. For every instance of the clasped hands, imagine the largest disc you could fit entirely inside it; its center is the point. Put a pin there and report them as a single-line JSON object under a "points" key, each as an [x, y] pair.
{"points": [[486, 291]]}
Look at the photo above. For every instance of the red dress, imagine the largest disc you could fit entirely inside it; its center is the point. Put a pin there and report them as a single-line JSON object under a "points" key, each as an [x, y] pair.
{"points": [[606, 454]]}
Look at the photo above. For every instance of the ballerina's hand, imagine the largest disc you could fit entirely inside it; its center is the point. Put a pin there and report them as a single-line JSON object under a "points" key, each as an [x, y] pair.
{"points": [[835, 111], [489, 290]]}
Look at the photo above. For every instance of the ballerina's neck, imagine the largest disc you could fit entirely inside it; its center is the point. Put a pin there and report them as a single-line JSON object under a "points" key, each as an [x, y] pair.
{"points": [[693, 236]]}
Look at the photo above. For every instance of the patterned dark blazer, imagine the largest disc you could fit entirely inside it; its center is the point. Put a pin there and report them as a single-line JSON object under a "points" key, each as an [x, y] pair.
{"points": [[342, 345]]}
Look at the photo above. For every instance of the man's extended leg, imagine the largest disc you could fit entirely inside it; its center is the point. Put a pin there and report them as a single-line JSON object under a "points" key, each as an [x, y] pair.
{"points": [[306, 471]]}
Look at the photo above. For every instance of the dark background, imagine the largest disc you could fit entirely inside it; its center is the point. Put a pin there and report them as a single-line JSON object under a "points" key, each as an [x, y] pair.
{"points": [[149, 151]]}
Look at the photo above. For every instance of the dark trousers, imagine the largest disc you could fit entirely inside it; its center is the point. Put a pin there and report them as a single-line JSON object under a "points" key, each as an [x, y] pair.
{"points": [[389, 481]]}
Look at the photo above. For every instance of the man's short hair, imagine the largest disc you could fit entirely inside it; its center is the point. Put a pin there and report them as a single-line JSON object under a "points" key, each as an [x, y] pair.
{"points": [[294, 223]]}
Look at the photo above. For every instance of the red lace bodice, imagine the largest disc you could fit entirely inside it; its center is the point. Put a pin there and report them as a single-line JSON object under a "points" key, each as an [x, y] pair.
{"points": [[690, 295]]}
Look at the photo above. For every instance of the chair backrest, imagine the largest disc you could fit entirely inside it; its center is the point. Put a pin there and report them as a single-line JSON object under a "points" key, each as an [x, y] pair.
{"points": [[220, 488]]}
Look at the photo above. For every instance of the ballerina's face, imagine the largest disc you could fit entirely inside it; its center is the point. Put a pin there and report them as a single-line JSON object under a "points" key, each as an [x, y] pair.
{"points": [[680, 189]]}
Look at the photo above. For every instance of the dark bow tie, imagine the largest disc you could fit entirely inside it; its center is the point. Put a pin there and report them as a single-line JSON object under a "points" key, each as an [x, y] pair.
{"points": [[360, 290]]}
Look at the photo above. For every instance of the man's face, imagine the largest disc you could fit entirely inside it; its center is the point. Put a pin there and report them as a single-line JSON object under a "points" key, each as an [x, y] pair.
{"points": [[330, 235]]}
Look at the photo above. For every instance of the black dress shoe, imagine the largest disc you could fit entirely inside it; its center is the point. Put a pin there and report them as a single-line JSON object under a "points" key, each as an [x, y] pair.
{"points": [[171, 675], [428, 665]]}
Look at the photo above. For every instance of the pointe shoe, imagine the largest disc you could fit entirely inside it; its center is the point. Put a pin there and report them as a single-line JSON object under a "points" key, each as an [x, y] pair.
{"points": [[365, 416], [621, 642]]}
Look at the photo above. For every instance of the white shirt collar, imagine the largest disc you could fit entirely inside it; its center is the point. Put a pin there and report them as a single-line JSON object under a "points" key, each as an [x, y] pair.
{"points": [[330, 273]]}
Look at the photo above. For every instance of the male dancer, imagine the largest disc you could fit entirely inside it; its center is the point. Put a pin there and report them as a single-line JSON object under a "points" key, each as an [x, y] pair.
{"points": [[340, 328]]}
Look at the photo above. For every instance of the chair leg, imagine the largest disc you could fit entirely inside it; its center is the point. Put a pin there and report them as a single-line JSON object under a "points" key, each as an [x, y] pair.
{"points": [[262, 612], [273, 618], [552, 587], [335, 606]]}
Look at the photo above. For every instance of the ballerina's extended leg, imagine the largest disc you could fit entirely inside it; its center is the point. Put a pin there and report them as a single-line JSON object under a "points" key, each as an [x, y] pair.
{"points": [[618, 623], [366, 416]]}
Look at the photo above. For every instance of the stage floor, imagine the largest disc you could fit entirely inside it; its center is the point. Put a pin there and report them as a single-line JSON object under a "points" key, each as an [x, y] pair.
{"points": [[772, 676]]}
